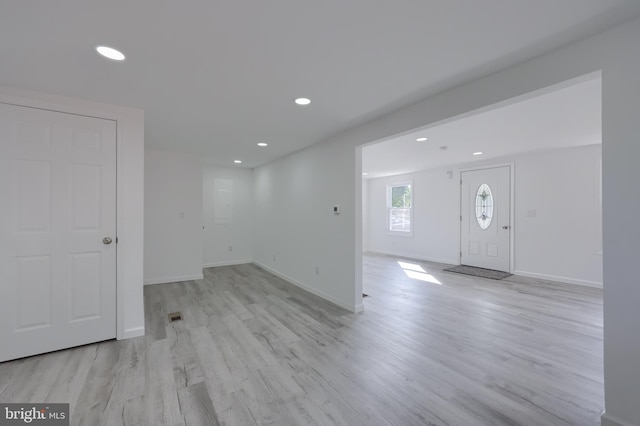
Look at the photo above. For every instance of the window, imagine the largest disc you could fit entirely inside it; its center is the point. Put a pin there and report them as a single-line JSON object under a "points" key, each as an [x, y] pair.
{"points": [[484, 206], [400, 206]]}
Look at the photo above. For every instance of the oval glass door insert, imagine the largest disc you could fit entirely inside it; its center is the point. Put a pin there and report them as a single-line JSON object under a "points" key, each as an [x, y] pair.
{"points": [[484, 206]]}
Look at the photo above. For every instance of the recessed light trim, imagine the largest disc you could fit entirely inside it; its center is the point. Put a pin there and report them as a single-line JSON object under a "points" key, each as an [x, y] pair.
{"points": [[478, 153], [364, 174], [302, 101], [422, 139], [110, 53], [237, 161], [263, 144]]}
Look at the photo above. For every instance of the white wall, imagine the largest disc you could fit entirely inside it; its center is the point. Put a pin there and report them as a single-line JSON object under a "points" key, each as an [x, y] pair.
{"points": [[334, 175], [173, 217], [436, 224], [236, 233], [562, 242], [365, 215], [295, 228], [130, 134]]}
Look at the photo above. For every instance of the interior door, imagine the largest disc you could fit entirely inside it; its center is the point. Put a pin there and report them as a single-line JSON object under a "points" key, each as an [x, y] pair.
{"points": [[58, 203], [485, 218]]}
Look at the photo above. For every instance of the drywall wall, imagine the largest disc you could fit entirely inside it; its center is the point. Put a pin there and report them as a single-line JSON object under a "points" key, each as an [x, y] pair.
{"points": [[335, 175], [228, 240], [557, 224], [558, 215], [436, 211], [365, 215], [130, 217], [297, 235], [173, 217]]}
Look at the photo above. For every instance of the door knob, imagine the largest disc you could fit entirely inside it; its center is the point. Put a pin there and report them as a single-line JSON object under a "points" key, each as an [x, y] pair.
{"points": [[107, 240], [505, 227]]}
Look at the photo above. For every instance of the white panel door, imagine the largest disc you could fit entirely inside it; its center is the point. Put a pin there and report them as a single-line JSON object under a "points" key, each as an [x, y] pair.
{"points": [[485, 218], [57, 203]]}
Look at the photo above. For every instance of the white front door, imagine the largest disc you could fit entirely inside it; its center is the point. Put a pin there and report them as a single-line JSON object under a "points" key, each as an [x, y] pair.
{"points": [[57, 204], [485, 218]]}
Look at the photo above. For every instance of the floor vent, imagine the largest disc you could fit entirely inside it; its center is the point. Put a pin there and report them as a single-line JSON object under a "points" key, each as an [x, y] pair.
{"points": [[175, 316]]}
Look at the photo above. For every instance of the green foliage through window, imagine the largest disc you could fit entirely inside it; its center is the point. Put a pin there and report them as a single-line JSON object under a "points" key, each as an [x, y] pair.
{"points": [[401, 196]]}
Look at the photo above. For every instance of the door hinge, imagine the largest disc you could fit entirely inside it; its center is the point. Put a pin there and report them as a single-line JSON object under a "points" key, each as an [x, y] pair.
{"points": [[460, 255], [460, 218], [116, 240]]}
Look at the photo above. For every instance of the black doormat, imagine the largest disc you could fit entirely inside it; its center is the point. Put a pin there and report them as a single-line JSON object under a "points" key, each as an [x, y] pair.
{"points": [[478, 272]]}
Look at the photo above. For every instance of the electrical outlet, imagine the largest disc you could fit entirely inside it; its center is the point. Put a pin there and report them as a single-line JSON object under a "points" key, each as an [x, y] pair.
{"points": [[230, 248]]}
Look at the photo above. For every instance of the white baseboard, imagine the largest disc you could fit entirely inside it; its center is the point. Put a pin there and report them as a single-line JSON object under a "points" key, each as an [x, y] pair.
{"points": [[415, 256], [558, 278], [131, 333], [173, 279], [310, 289], [226, 263], [608, 420]]}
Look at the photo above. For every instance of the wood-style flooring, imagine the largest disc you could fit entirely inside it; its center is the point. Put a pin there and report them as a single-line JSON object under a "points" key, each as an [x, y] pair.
{"points": [[431, 348]]}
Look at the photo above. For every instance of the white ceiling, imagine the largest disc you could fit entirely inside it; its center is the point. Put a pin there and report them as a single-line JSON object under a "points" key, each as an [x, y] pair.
{"points": [[216, 77], [571, 116]]}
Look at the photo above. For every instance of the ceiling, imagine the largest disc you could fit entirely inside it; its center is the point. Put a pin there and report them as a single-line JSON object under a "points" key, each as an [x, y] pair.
{"points": [[216, 77], [568, 117]]}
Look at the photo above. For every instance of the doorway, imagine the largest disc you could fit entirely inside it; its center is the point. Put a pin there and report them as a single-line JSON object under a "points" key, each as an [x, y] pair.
{"points": [[58, 257], [485, 218]]}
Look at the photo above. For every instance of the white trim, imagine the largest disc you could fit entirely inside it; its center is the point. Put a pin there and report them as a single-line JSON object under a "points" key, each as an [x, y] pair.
{"points": [[609, 420], [173, 279], [129, 206], [131, 333], [416, 257], [557, 278], [326, 296], [512, 209], [227, 263]]}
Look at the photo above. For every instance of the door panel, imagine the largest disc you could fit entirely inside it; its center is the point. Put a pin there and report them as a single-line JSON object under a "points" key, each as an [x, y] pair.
{"points": [[486, 248], [57, 278]]}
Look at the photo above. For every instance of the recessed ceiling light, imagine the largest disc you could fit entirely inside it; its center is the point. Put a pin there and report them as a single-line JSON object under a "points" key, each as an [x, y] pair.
{"points": [[421, 139], [364, 174], [302, 101], [477, 153], [237, 161], [110, 53], [262, 144]]}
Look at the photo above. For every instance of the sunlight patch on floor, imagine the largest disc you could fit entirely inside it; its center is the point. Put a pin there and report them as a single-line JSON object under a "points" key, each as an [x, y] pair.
{"points": [[417, 272]]}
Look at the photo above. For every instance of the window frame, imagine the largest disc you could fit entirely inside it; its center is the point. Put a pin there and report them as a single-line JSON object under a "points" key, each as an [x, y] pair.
{"points": [[390, 187]]}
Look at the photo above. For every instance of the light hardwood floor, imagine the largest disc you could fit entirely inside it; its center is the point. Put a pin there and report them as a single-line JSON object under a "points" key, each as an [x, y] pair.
{"points": [[253, 349]]}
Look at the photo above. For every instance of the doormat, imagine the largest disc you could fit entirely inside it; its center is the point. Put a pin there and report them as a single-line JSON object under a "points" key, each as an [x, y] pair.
{"points": [[478, 272]]}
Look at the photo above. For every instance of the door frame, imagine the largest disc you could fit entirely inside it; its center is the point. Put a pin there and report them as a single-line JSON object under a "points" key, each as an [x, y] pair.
{"points": [[512, 209], [129, 203]]}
